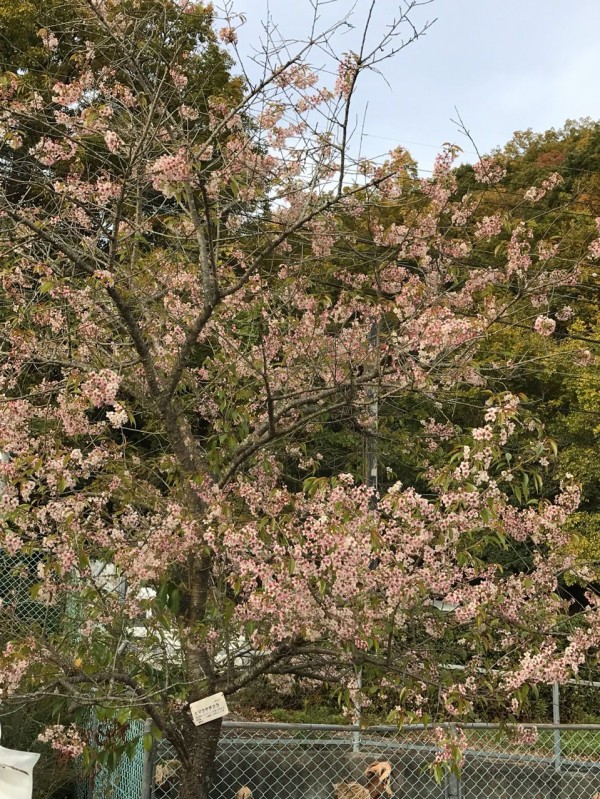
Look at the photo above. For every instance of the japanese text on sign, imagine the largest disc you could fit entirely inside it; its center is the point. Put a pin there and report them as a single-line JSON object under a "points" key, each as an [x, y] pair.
{"points": [[213, 707]]}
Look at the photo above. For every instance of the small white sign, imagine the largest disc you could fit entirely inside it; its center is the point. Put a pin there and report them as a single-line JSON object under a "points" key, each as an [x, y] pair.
{"points": [[213, 707], [16, 781]]}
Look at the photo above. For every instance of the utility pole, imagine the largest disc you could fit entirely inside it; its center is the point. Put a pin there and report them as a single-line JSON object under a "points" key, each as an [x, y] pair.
{"points": [[370, 478]]}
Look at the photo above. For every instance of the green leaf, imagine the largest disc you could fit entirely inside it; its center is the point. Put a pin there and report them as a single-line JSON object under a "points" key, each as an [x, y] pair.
{"points": [[175, 600], [518, 493]]}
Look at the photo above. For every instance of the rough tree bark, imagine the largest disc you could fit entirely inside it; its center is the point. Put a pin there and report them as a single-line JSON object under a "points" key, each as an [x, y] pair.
{"points": [[199, 758]]}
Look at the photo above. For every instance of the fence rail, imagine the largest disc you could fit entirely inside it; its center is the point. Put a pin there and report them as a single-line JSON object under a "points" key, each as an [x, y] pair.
{"points": [[308, 761]]}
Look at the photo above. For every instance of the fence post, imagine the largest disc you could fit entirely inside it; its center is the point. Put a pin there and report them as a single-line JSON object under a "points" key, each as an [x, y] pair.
{"points": [[452, 780], [556, 722], [148, 765], [452, 786], [357, 712]]}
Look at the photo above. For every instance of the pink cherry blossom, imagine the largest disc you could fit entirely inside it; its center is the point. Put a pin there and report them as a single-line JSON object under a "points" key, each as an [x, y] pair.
{"points": [[179, 79], [113, 141], [66, 740], [536, 193], [49, 152], [169, 170], [544, 326], [48, 38], [101, 388], [228, 35], [488, 170], [347, 71], [489, 226]]}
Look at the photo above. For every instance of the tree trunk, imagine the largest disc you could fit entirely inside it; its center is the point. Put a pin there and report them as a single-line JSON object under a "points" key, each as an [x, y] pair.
{"points": [[201, 745]]}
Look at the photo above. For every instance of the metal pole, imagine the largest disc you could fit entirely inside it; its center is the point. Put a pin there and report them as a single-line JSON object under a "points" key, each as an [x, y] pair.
{"points": [[370, 466], [356, 735], [147, 786], [452, 779], [556, 721], [452, 786]]}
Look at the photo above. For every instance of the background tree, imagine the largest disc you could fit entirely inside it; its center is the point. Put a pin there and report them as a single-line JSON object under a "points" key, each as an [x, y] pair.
{"points": [[557, 373]]}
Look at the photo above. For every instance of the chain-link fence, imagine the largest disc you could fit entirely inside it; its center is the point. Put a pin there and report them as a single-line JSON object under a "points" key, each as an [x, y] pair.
{"points": [[301, 761], [17, 576], [126, 781]]}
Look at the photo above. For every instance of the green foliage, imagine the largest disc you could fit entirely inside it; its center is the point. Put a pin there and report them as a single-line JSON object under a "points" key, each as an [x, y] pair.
{"points": [[559, 375], [312, 713]]}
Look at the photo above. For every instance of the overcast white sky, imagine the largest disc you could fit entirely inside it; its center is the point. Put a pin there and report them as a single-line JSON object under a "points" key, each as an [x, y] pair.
{"points": [[505, 64]]}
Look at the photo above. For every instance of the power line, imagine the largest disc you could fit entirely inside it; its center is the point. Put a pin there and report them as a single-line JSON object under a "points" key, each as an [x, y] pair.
{"points": [[407, 141]]}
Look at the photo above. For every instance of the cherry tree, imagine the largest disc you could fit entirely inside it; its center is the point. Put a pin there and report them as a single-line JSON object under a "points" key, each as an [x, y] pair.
{"points": [[199, 274]]}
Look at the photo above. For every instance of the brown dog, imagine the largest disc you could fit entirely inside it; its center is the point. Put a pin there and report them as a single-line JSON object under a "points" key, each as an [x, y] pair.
{"points": [[378, 783]]}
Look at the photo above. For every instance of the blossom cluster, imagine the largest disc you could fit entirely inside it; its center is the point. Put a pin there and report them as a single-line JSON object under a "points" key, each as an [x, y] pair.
{"points": [[594, 248], [298, 76], [14, 665], [48, 38], [50, 151], [113, 141], [66, 740], [347, 70], [489, 170], [488, 226], [451, 745], [519, 250], [228, 35], [179, 78], [101, 388], [544, 325], [535, 193], [169, 170]]}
